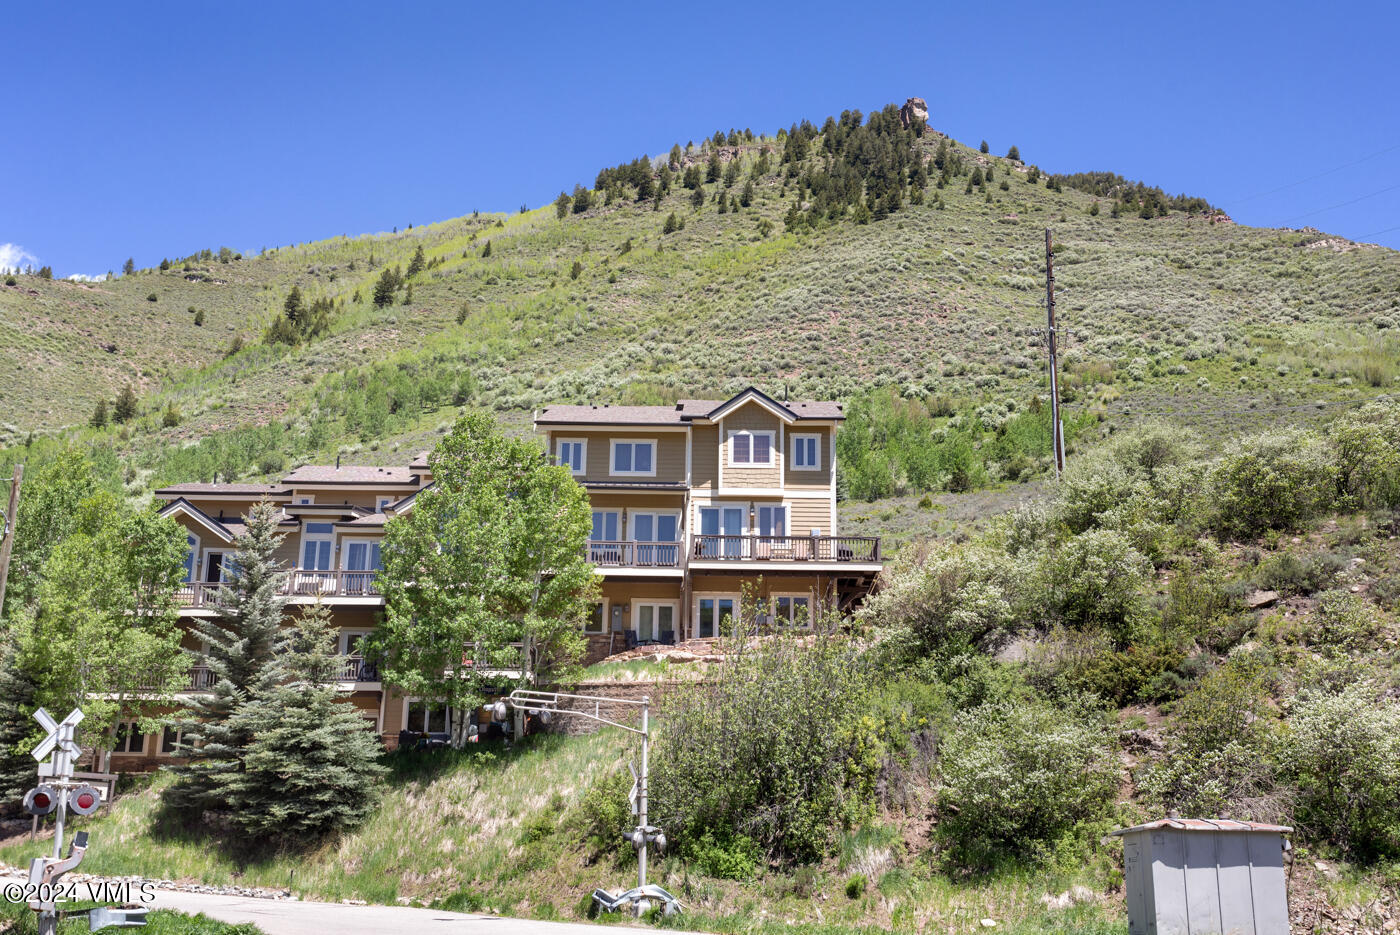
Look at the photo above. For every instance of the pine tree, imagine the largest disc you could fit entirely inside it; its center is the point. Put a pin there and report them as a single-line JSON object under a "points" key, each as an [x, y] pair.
{"points": [[17, 729], [415, 265], [312, 765], [671, 225], [293, 307], [199, 318], [125, 409], [561, 205], [384, 287], [408, 295], [1013, 153], [171, 418], [129, 266], [984, 147], [697, 197], [486, 250], [241, 637], [583, 199], [462, 313], [99, 415], [164, 265]]}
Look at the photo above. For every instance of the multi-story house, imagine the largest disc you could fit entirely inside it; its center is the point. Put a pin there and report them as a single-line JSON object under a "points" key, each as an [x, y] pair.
{"points": [[696, 508], [705, 504]]}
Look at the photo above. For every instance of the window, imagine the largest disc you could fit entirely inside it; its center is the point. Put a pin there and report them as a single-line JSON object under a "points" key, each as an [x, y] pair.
{"points": [[129, 738], [316, 546], [218, 566], [750, 449], [573, 453], [772, 521], [305, 500], [191, 551], [596, 618], [792, 610], [634, 457], [362, 555], [658, 528], [426, 717], [714, 616], [383, 502], [806, 452], [721, 532], [170, 737], [653, 621]]}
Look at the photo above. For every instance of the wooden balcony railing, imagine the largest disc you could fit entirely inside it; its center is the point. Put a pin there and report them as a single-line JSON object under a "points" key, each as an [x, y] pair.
{"points": [[300, 582], [357, 669], [711, 548], [634, 554]]}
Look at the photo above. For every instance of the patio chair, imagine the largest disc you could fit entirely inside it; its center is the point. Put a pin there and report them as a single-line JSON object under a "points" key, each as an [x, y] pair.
{"points": [[630, 639], [668, 637]]}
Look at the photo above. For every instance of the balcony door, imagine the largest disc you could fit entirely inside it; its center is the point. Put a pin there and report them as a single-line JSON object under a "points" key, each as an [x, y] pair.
{"points": [[718, 521], [655, 535], [772, 532], [361, 563], [603, 547]]}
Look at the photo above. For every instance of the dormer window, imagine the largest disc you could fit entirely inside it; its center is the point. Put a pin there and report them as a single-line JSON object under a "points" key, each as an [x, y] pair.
{"points": [[634, 458], [750, 449]]}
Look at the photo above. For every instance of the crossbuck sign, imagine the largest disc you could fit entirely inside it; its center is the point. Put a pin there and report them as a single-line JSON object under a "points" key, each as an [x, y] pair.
{"points": [[59, 742]]}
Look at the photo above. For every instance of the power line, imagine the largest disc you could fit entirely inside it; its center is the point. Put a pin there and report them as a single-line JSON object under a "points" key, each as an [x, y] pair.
{"points": [[1319, 175], [1343, 204], [1378, 233]]}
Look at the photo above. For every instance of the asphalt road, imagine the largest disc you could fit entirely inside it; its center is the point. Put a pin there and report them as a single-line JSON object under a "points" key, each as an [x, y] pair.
{"points": [[292, 917]]}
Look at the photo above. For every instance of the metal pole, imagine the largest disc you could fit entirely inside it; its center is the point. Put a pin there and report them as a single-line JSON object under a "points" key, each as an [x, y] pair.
{"points": [[642, 793], [1056, 432], [9, 541]]}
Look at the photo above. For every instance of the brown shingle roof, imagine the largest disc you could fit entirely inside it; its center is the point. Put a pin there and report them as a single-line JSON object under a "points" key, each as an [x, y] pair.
{"points": [[348, 474], [369, 519], [238, 489], [682, 412]]}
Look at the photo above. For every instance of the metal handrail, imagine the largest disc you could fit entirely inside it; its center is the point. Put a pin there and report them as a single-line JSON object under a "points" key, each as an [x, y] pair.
{"points": [[753, 547]]}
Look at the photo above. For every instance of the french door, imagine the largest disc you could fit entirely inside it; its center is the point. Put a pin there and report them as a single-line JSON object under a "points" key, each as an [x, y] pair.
{"points": [[713, 615], [653, 620], [717, 522], [655, 535], [603, 548]]}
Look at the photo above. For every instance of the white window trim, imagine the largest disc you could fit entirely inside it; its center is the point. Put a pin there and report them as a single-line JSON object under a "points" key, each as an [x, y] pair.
{"points": [[196, 551], [582, 454], [716, 596], [635, 615], [632, 515], [305, 499], [144, 737], [745, 507], [805, 595], [228, 553], [772, 457], [408, 704], [612, 457], [308, 536], [605, 510], [382, 502], [356, 632], [160, 739], [343, 547], [605, 623], [806, 467]]}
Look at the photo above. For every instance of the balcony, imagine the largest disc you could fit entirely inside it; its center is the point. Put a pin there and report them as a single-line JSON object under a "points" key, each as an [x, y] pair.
{"points": [[357, 669], [300, 582], [836, 549], [351, 669], [606, 554]]}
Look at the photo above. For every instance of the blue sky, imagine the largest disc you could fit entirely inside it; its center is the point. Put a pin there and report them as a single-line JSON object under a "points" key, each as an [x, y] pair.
{"points": [[154, 130]]}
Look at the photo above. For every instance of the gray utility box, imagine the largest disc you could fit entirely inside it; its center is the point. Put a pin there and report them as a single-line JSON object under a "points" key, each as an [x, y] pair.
{"points": [[1196, 876]]}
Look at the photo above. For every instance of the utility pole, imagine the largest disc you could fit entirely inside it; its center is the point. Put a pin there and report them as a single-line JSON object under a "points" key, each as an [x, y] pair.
{"points": [[1056, 430], [9, 533]]}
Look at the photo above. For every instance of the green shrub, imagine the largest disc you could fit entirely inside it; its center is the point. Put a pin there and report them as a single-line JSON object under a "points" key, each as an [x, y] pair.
{"points": [[1017, 777], [601, 815], [1367, 450], [855, 886], [1286, 573], [1095, 579], [775, 748], [1272, 481], [1219, 756], [1344, 622], [947, 601], [1345, 755], [735, 857]]}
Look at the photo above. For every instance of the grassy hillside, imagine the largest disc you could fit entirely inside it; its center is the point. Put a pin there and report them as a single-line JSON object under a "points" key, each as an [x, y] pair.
{"points": [[1212, 323]]}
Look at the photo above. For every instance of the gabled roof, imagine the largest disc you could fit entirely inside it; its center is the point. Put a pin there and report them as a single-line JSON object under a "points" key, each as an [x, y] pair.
{"points": [[369, 520], [688, 410], [406, 504], [205, 521], [420, 462]]}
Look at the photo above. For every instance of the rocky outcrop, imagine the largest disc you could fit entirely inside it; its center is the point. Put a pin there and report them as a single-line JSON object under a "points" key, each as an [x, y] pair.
{"points": [[914, 109]]}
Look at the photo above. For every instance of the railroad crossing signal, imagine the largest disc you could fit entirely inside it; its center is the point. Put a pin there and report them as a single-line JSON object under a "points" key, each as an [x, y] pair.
{"points": [[40, 800], [84, 800], [59, 742]]}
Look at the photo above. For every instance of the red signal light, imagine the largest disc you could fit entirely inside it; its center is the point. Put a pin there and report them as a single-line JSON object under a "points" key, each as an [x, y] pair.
{"points": [[84, 800], [40, 800]]}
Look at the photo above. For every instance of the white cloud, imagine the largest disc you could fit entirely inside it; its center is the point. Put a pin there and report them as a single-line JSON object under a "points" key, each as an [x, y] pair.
{"points": [[83, 277], [14, 257]]}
